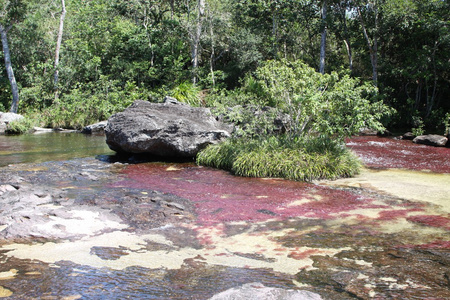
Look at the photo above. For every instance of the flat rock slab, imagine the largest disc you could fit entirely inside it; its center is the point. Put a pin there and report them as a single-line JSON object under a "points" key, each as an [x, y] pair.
{"points": [[62, 200], [169, 129], [257, 291], [431, 140]]}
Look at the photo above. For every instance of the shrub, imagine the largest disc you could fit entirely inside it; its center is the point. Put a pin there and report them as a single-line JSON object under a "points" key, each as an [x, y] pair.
{"points": [[188, 93], [332, 104], [20, 126], [278, 156]]}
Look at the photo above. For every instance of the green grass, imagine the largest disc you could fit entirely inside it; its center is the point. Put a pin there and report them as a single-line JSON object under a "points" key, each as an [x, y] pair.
{"points": [[302, 160]]}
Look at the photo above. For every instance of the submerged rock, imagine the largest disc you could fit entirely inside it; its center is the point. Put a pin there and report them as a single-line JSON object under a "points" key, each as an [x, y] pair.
{"points": [[257, 291], [431, 140], [169, 129]]}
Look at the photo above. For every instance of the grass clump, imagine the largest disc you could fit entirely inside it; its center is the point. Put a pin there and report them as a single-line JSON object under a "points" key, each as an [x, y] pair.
{"points": [[20, 126], [277, 156]]}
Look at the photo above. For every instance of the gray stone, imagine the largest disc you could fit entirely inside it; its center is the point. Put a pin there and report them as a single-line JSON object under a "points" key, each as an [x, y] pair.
{"points": [[408, 136], [431, 140], [97, 128], [6, 118], [168, 129], [257, 291]]}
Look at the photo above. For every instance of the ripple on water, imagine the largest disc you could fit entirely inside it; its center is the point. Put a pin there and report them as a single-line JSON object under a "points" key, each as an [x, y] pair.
{"points": [[378, 152]]}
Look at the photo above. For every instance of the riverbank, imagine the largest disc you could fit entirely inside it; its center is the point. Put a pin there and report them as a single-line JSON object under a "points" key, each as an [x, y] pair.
{"points": [[181, 231]]}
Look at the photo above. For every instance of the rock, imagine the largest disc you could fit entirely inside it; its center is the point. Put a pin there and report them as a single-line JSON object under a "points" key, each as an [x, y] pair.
{"points": [[408, 136], [6, 118], [168, 129], [257, 291], [97, 128], [431, 140]]}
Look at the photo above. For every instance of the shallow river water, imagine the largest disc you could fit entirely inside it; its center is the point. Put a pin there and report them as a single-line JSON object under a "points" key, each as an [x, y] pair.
{"points": [[381, 235]]}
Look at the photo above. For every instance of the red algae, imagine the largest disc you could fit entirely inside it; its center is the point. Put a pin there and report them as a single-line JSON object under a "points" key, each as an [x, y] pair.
{"points": [[378, 152], [387, 215], [433, 245], [220, 197], [300, 255], [430, 220]]}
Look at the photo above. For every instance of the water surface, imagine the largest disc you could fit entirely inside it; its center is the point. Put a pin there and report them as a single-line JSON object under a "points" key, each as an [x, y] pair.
{"points": [[52, 146]]}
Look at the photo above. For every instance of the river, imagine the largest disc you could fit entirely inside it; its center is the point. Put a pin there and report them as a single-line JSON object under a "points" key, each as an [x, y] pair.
{"points": [[381, 235]]}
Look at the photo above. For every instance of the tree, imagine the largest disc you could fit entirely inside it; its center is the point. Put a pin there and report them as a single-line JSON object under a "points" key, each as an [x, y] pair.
{"points": [[372, 9], [11, 12], [58, 43], [323, 40], [196, 39]]}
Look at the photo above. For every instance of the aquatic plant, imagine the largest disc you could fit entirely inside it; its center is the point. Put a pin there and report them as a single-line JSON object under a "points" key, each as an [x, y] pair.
{"points": [[304, 159]]}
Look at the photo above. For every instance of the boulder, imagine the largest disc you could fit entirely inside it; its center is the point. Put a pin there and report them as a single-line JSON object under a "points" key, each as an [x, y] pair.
{"points": [[257, 291], [170, 129], [408, 136], [6, 118], [97, 128], [431, 140]]}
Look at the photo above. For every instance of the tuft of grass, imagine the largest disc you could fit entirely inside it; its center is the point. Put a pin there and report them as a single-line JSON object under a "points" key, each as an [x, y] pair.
{"points": [[20, 126], [302, 160], [188, 93]]}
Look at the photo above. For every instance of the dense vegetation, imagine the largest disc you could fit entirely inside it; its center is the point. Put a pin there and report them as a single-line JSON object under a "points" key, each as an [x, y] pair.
{"points": [[333, 66]]}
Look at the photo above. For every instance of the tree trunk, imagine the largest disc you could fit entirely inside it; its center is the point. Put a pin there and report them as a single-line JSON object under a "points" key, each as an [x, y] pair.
{"points": [[196, 42], [346, 39], [59, 40], [9, 69], [373, 47], [323, 40], [58, 47]]}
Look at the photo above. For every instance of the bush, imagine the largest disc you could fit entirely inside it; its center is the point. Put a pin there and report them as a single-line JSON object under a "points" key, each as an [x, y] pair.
{"points": [[90, 103], [188, 93], [332, 104], [20, 126], [277, 156]]}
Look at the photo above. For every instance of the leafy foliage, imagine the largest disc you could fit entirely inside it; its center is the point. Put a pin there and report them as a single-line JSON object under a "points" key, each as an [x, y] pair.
{"points": [[330, 104], [20, 126]]}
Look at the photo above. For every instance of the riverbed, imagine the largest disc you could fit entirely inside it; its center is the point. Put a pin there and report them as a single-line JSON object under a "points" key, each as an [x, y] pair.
{"points": [[107, 229]]}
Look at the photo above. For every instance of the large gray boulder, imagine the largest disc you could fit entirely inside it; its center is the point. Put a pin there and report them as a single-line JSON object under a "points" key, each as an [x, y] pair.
{"points": [[6, 118], [432, 140], [169, 129]]}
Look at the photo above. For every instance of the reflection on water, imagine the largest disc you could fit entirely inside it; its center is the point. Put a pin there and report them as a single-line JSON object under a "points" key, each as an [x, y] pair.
{"points": [[49, 147]]}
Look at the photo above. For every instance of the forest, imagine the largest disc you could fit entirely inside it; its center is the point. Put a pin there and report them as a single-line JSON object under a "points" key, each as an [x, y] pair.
{"points": [[78, 61]]}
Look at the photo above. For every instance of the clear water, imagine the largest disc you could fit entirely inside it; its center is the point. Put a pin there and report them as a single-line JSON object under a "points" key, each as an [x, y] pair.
{"points": [[52, 146]]}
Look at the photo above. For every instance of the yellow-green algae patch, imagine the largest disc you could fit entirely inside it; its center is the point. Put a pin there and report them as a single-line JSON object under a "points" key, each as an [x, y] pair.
{"points": [[4, 292], [406, 184], [250, 249]]}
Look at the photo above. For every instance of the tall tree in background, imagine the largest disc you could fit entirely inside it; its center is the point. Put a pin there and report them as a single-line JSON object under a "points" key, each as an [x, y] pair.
{"points": [[196, 39], [58, 46], [11, 12], [323, 40], [371, 8]]}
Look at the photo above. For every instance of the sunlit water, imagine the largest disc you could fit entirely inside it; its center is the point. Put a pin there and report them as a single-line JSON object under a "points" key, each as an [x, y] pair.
{"points": [[49, 147], [273, 231]]}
